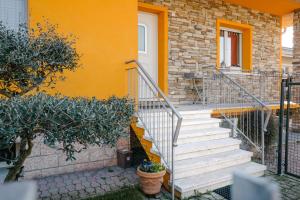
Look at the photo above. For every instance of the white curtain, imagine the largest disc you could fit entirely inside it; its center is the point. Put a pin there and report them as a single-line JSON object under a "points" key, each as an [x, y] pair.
{"points": [[13, 12]]}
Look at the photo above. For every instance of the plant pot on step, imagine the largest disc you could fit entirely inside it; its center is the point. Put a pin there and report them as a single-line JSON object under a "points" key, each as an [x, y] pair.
{"points": [[151, 178]]}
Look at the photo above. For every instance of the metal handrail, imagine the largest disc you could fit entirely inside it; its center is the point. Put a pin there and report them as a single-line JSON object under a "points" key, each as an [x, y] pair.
{"points": [[166, 107], [253, 97], [244, 90], [220, 90], [160, 92]]}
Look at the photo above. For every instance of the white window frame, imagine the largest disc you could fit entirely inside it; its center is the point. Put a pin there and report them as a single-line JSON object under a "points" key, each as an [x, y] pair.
{"points": [[146, 39], [226, 53]]}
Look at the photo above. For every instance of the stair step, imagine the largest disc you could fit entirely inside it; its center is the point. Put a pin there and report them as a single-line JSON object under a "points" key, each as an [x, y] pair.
{"points": [[202, 148], [198, 115], [205, 164], [197, 135], [216, 179], [185, 114], [202, 132], [196, 121], [205, 145], [186, 124], [200, 124], [193, 112]]}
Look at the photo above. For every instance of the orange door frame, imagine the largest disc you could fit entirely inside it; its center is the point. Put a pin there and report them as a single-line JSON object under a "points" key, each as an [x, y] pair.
{"points": [[162, 13]]}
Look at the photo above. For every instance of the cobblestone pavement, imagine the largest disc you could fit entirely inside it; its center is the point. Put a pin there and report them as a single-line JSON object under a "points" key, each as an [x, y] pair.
{"points": [[289, 186], [80, 185]]}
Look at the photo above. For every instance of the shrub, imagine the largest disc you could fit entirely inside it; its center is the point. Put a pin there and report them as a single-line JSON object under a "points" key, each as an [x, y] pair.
{"points": [[151, 167], [72, 122]]}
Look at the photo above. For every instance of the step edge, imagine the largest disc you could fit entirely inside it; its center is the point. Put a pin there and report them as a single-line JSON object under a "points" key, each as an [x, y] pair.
{"points": [[259, 168], [242, 154]]}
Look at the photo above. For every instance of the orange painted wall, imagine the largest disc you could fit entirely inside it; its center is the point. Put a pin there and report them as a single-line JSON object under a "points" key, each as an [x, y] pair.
{"points": [[107, 37]]}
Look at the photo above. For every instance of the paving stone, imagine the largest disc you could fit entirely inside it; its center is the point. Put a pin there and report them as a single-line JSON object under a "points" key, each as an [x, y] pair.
{"points": [[84, 184], [73, 194], [90, 190]]}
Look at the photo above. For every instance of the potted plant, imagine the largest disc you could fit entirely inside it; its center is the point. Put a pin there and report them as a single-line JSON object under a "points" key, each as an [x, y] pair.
{"points": [[151, 177]]}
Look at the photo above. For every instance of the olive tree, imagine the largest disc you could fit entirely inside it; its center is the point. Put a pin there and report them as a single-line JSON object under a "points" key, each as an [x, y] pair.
{"points": [[31, 58], [74, 123]]}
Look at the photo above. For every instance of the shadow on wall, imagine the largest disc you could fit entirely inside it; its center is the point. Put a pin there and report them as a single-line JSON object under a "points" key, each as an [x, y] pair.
{"points": [[138, 152]]}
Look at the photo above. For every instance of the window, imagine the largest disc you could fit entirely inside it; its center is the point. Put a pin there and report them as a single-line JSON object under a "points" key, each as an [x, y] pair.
{"points": [[13, 12], [230, 48], [142, 38]]}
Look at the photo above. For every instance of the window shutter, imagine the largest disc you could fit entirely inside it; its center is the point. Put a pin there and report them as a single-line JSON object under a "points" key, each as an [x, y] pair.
{"points": [[13, 12]]}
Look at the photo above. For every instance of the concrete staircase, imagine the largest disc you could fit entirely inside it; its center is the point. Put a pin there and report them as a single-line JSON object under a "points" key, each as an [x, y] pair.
{"points": [[206, 156]]}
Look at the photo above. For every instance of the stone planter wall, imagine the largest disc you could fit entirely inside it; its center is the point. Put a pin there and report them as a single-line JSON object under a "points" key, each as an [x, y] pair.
{"points": [[192, 39], [46, 161]]}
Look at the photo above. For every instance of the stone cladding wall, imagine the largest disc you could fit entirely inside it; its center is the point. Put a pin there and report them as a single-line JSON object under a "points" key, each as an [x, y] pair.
{"points": [[296, 69], [192, 39]]}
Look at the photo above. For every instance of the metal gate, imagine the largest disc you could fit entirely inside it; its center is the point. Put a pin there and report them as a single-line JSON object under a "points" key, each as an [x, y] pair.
{"points": [[289, 127]]}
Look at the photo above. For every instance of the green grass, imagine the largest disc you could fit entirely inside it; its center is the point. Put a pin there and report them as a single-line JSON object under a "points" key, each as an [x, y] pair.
{"points": [[123, 194]]}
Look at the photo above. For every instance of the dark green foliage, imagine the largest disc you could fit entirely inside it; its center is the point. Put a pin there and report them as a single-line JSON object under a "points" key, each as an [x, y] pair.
{"points": [[30, 58], [72, 122], [151, 167], [123, 194]]}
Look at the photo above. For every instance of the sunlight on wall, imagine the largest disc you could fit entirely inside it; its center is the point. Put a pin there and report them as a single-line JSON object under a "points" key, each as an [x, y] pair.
{"points": [[287, 38]]}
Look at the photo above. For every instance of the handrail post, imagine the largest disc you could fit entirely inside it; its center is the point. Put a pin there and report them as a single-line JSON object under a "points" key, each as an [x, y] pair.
{"points": [[287, 127], [171, 112], [262, 136], [173, 146], [281, 115]]}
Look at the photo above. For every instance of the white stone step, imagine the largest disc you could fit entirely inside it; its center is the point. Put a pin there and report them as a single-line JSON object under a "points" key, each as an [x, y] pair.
{"points": [[195, 121], [196, 114], [197, 135], [196, 149], [203, 148], [216, 179], [204, 164], [195, 111], [185, 114], [200, 124], [188, 124]]}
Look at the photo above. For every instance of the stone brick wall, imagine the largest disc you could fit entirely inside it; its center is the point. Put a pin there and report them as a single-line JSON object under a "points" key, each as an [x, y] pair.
{"points": [[296, 49], [296, 69], [192, 39], [46, 161]]}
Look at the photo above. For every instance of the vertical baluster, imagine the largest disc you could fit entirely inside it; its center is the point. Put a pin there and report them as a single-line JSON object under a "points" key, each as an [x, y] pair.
{"points": [[263, 136], [172, 168]]}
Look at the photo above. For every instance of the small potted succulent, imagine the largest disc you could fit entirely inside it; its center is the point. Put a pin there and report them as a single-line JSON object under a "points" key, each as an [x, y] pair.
{"points": [[151, 177]]}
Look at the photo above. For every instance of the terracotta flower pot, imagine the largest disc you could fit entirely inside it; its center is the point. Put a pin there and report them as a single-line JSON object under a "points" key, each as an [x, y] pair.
{"points": [[151, 182]]}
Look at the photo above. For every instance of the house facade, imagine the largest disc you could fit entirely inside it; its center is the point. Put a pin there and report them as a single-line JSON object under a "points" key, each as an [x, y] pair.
{"points": [[170, 38], [188, 37]]}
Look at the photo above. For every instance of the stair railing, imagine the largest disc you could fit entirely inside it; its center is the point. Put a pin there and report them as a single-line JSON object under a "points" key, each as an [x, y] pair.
{"points": [[245, 114], [155, 113]]}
